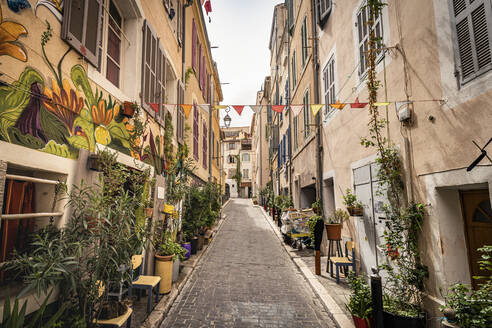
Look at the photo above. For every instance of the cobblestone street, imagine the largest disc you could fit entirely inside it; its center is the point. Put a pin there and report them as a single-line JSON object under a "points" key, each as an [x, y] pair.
{"points": [[246, 280]]}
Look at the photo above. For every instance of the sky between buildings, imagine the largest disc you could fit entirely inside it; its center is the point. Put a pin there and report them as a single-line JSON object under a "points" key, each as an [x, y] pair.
{"points": [[241, 30]]}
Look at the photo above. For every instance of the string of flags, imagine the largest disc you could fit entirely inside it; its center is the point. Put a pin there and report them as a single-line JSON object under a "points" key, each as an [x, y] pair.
{"points": [[296, 108]]}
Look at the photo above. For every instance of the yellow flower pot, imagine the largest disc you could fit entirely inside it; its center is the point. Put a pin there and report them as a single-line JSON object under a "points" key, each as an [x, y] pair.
{"points": [[164, 269]]}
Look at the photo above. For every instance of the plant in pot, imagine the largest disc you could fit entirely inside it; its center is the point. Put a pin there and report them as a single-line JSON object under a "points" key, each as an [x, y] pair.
{"points": [[129, 109], [354, 207], [360, 301], [167, 251], [335, 224], [471, 308], [316, 206], [315, 233]]}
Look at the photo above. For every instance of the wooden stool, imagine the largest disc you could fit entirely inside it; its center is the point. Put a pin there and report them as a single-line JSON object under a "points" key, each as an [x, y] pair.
{"points": [[331, 249]]}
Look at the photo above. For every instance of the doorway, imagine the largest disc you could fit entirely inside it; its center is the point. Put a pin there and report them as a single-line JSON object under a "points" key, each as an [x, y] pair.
{"points": [[477, 215]]}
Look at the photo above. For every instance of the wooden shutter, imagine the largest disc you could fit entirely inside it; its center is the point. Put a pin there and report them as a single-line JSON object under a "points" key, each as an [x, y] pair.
{"points": [[180, 115], [152, 55], [195, 132], [291, 12], [193, 47], [205, 146], [473, 35], [324, 10], [200, 63], [81, 24], [179, 15]]}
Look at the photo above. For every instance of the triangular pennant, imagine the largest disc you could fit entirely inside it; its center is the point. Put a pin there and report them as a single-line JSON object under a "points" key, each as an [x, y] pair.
{"points": [[208, 7], [278, 108], [205, 107], [170, 108], [357, 104], [338, 105], [296, 109], [155, 107], [186, 110], [380, 104], [315, 108], [256, 108], [220, 106], [238, 108]]}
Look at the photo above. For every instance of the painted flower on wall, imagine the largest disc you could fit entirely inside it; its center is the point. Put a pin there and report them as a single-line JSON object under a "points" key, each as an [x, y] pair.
{"points": [[55, 6], [9, 33], [102, 115], [64, 103], [17, 5]]}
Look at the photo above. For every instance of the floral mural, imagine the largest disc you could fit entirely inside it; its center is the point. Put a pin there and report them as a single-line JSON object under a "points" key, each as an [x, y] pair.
{"points": [[9, 35]]}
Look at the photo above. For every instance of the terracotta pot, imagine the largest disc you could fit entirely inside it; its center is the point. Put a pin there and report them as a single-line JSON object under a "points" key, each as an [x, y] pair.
{"points": [[334, 231], [128, 109], [363, 323], [355, 211], [149, 211], [164, 269]]}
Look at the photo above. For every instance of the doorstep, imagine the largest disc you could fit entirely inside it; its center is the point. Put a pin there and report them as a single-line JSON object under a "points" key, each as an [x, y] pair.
{"points": [[160, 311], [332, 295]]}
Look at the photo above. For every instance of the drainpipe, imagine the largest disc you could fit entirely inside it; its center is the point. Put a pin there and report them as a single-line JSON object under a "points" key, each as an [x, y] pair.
{"points": [[290, 111], [319, 173], [210, 108]]}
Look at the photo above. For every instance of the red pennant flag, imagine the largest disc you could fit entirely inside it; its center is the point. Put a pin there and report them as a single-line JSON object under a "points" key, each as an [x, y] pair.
{"points": [[357, 104], [208, 7], [239, 109], [278, 108], [155, 107]]}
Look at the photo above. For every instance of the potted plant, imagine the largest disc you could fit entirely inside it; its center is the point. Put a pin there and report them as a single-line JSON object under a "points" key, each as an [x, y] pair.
{"points": [[354, 207], [255, 200], [335, 224], [165, 254], [360, 301], [186, 245], [129, 109], [316, 231], [316, 206]]}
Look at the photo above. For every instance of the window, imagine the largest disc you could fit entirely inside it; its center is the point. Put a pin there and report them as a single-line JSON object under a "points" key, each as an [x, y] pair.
{"points": [[294, 73], [246, 157], [110, 46], [324, 9], [232, 159], [307, 114], [194, 43], [218, 154], [291, 13], [200, 66], [304, 42], [245, 174], [180, 124], [81, 27], [472, 37], [363, 33], [232, 145], [195, 132], [154, 70], [205, 145], [329, 85]]}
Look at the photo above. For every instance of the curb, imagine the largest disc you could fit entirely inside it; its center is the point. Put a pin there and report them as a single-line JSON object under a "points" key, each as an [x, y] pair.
{"points": [[339, 317], [160, 311]]}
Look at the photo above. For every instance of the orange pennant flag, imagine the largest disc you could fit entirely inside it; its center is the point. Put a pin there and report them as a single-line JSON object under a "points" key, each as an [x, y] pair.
{"points": [[278, 108], [239, 109], [338, 105], [187, 110]]}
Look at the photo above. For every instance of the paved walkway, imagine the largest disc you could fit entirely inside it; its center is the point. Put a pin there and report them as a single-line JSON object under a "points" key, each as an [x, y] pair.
{"points": [[246, 279]]}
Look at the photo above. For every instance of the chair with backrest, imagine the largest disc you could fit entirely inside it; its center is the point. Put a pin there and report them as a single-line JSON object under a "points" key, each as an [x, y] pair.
{"points": [[344, 262], [148, 283]]}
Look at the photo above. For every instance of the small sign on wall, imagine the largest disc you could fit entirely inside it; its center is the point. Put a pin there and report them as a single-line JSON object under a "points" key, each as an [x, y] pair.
{"points": [[160, 193]]}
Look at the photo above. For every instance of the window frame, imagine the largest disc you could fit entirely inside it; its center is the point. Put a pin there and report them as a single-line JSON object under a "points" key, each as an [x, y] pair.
{"points": [[304, 43], [325, 14], [329, 89], [307, 116], [362, 37], [294, 70], [196, 132]]}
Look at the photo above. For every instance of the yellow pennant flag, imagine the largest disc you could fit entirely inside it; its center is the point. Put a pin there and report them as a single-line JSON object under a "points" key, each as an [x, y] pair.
{"points": [[315, 108], [220, 106], [380, 104], [187, 110]]}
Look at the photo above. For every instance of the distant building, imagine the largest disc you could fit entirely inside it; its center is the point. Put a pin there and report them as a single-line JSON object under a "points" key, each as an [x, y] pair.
{"points": [[238, 152]]}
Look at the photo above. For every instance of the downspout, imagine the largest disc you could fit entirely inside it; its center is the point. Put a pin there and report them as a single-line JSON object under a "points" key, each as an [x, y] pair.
{"points": [[210, 109], [319, 173], [288, 104]]}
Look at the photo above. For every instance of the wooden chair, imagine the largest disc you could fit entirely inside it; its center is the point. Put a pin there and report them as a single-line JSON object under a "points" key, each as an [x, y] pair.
{"points": [[344, 262], [148, 283]]}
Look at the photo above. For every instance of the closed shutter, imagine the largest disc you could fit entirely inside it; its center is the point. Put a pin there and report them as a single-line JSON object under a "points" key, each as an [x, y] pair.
{"points": [[304, 41], [291, 13], [205, 146], [200, 66], [193, 47], [472, 20], [180, 21], [161, 82], [180, 116], [195, 132], [324, 9], [152, 56], [81, 27]]}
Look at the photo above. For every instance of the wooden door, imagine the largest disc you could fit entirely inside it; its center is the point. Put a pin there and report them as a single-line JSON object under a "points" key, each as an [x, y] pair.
{"points": [[477, 214]]}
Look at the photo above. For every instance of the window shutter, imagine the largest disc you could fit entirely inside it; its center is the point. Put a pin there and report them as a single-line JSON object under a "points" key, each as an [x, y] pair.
{"points": [[181, 117], [179, 15], [193, 46], [473, 37], [81, 24], [195, 132], [324, 10], [205, 137], [151, 58]]}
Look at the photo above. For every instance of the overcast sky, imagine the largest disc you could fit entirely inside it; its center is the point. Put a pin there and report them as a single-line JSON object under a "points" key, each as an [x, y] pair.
{"points": [[241, 30]]}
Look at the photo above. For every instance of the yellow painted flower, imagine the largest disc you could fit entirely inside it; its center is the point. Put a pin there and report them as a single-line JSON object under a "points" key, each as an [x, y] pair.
{"points": [[102, 117], [65, 103], [9, 33]]}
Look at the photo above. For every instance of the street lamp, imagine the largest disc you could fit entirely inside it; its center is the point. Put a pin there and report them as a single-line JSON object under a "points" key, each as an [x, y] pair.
{"points": [[227, 118]]}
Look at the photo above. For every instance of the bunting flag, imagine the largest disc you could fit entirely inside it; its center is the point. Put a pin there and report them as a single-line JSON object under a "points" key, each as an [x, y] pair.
{"points": [[208, 7], [278, 108], [357, 104], [315, 109], [221, 106], [256, 108], [205, 107], [296, 109], [170, 108], [338, 105], [238, 108], [154, 106], [187, 110], [380, 104]]}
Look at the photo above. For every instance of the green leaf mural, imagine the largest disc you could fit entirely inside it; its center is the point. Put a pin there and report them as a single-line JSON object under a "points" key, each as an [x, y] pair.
{"points": [[53, 128], [80, 80], [15, 100], [27, 140], [60, 150]]}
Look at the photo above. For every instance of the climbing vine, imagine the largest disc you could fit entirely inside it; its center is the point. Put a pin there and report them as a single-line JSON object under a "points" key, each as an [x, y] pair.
{"points": [[238, 176]]}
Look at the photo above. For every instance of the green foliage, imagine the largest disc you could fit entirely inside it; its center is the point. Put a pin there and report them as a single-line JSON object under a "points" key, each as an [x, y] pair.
{"points": [[238, 176], [190, 71], [312, 224], [360, 301], [473, 308], [316, 206], [168, 247], [350, 200], [283, 202], [339, 216]]}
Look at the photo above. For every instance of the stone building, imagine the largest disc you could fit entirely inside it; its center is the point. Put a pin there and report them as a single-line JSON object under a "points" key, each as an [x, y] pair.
{"points": [[238, 153]]}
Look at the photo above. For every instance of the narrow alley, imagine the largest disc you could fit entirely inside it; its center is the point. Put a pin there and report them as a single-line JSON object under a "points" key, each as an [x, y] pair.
{"points": [[246, 280]]}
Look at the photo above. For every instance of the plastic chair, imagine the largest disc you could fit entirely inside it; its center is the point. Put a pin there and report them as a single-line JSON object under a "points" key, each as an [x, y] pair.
{"points": [[148, 283], [345, 262]]}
